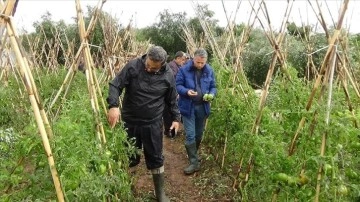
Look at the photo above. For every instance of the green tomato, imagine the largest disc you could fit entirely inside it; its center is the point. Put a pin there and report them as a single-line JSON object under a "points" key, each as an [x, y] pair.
{"points": [[282, 177], [342, 190], [102, 169], [71, 183], [327, 167], [351, 174], [41, 164], [294, 181], [108, 153], [303, 179], [355, 145], [206, 97]]}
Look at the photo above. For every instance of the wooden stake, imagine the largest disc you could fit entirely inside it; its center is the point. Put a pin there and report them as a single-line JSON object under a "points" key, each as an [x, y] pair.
{"points": [[35, 105]]}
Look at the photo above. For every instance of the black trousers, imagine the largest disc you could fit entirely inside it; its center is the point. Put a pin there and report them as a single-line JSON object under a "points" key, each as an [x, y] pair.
{"points": [[150, 138], [167, 120]]}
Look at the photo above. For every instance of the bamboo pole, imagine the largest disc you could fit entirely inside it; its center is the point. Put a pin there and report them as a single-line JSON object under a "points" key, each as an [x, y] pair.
{"points": [[351, 109], [327, 121], [63, 98], [234, 186], [78, 54], [36, 94], [356, 89], [314, 90], [333, 41], [224, 150], [89, 72], [71, 71], [35, 105], [277, 56], [2, 73], [97, 85]]}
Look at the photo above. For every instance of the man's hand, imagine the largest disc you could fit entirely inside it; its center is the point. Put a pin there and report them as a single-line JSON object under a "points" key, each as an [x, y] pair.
{"points": [[175, 125], [113, 116], [192, 93]]}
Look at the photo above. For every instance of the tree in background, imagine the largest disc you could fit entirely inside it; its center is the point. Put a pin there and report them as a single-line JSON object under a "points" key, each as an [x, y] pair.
{"points": [[300, 32], [256, 58], [49, 32], [167, 32]]}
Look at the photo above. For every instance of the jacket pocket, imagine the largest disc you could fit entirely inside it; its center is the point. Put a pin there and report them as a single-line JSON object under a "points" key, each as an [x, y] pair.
{"points": [[205, 85], [185, 106]]}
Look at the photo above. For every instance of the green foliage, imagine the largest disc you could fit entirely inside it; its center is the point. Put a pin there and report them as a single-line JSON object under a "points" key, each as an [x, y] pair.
{"points": [[167, 32], [299, 32], [268, 151], [45, 34], [354, 53], [257, 58], [258, 54], [14, 112], [82, 164], [48, 32], [296, 55]]}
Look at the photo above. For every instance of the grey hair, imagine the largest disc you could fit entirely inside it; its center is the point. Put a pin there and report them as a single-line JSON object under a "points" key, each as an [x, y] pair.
{"points": [[157, 54], [201, 53]]}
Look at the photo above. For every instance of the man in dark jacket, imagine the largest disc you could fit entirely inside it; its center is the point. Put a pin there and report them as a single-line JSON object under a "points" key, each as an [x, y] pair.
{"points": [[149, 86], [175, 65], [177, 62], [195, 83]]}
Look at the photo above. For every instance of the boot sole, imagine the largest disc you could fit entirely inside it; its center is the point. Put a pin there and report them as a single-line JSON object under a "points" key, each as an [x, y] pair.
{"points": [[189, 173]]}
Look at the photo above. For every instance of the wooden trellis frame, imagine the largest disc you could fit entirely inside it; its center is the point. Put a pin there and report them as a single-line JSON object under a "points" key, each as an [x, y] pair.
{"points": [[8, 7], [277, 56]]}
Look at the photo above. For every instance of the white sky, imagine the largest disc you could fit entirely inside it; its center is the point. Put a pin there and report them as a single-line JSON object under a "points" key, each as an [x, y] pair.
{"points": [[145, 12]]}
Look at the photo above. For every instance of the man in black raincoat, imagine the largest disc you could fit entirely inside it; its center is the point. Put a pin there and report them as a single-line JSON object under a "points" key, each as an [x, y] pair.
{"points": [[149, 85]]}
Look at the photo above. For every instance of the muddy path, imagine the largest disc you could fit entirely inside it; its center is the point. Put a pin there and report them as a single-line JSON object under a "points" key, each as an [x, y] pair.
{"points": [[206, 185]]}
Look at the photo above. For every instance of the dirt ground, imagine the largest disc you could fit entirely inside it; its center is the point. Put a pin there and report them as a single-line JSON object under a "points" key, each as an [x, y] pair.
{"points": [[178, 186], [207, 185]]}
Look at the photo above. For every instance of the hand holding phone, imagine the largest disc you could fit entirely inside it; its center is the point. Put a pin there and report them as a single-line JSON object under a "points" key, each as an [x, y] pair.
{"points": [[192, 93]]}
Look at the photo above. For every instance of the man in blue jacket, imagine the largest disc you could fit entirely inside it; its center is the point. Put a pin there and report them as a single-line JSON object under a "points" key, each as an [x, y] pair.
{"points": [[196, 86]]}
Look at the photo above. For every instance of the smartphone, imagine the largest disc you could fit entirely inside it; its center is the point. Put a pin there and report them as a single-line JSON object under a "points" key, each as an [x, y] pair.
{"points": [[172, 133]]}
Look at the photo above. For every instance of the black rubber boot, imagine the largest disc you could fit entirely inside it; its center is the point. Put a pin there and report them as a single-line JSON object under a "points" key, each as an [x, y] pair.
{"points": [[198, 142], [159, 187], [193, 159]]}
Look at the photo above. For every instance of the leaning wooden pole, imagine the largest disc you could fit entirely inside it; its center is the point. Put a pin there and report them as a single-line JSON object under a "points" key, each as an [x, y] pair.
{"points": [[35, 105], [334, 48], [90, 74], [277, 56], [79, 53], [332, 41], [89, 69], [41, 106], [327, 120], [316, 86], [68, 76]]}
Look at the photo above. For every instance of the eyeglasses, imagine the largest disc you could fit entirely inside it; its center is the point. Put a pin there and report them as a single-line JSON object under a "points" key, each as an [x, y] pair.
{"points": [[153, 66]]}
